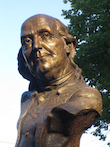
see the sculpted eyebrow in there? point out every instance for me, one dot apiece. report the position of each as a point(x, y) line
point(27, 36)
point(44, 30)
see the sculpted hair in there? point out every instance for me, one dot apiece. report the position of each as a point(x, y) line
point(63, 32)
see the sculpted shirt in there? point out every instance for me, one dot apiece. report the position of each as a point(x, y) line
point(46, 116)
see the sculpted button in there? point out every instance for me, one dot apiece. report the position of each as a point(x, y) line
point(34, 116)
point(27, 133)
point(61, 90)
point(41, 99)
point(34, 94)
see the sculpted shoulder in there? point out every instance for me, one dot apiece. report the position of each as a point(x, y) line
point(25, 96)
point(87, 92)
point(83, 98)
point(89, 97)
point(26, 100)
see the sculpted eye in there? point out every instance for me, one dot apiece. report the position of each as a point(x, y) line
point(27, 41)
point(46, 35)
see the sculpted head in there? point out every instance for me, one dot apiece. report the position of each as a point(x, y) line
point(47, 48)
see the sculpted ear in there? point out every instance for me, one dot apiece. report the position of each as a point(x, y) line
point(70, 49)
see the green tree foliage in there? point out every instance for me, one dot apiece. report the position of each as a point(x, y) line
point(90, 24)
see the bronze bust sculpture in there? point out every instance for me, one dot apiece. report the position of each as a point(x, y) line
point(59, 105)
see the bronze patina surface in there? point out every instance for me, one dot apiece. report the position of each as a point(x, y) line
point(59, 105)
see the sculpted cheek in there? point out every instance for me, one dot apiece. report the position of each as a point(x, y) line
point(26, 52)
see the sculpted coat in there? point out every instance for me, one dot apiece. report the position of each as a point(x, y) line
point(59, 105)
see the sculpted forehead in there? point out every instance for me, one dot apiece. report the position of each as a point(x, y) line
point(37, 22)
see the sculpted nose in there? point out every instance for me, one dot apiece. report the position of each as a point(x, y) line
point(36, 43)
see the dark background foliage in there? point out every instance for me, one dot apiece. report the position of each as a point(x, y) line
point(90, 24)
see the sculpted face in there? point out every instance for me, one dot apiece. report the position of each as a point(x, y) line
point(43, 47)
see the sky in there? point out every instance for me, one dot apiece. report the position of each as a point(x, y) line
point(12, 14)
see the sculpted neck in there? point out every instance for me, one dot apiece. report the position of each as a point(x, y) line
point(59, 81)
point(55, 74)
